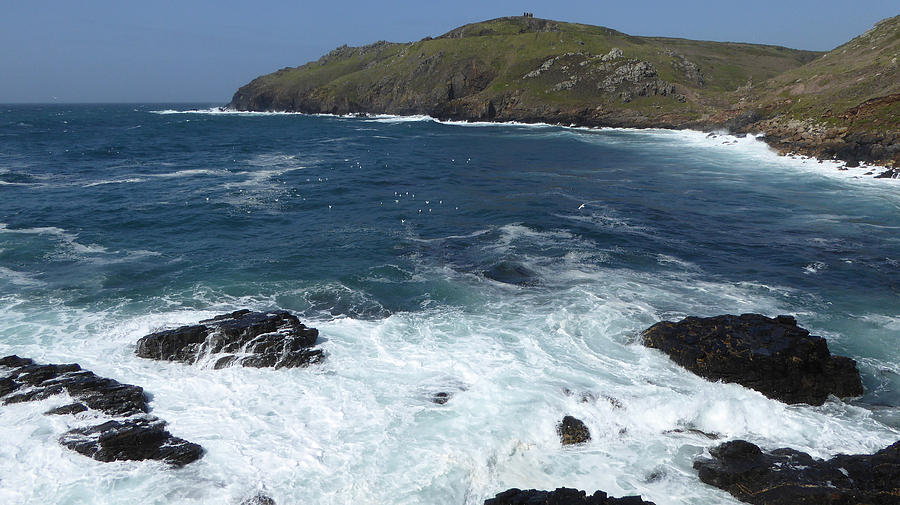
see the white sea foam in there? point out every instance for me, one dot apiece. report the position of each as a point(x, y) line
point(19, 278)
point(64, 236)
point(103, 182)
point(347, 431)
point(746, 145)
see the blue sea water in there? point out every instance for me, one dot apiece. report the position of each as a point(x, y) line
point(119, 220)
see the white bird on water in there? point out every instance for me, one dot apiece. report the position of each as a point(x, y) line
point(580, 206)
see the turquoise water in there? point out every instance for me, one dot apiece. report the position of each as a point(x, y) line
point(118, 220)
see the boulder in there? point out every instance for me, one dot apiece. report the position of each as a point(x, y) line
point(773, 356)
point(255, 339)
point(572, 431)
point(561, 496)
point(790, 477)
point(135, 436)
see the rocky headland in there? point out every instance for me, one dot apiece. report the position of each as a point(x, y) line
point(843, 104)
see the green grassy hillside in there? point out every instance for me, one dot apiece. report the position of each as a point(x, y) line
point(844, 103)
point(517, 66)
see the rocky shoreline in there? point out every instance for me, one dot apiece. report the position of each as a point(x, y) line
point(772, 355)
point(788, 138)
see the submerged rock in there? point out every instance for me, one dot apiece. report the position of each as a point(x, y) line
point(510, 272)
point(441, 397)
point(136, 437)
point(561, 496)
point(131, 439)
point(572, 431)
point(255, 339)
point(773, 356)
point(790, 477)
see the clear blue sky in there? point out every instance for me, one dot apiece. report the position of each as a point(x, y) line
point(202, 51)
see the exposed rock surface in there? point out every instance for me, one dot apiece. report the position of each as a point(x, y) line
point(258, 499)
point(561, 496)
point(790, 477)
point(773, 356)
point(824, 141)
point(135, 436)
point(572, 431)
point(131, 439)
point(255, 339)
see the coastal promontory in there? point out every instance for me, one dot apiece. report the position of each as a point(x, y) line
point(842, 104)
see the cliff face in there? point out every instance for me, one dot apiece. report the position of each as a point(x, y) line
point(528, 69)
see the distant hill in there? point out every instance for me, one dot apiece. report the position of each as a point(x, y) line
point(530, 69)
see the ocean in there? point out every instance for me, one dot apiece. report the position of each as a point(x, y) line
point(120, 220)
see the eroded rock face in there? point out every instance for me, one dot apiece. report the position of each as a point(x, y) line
point(790, 477)
point(135, 435)
point(255, 339)
point(773, 356)
point(561, 496)
point(572, 431)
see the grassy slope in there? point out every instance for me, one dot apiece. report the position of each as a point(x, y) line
point(841, 104)
point(414, 77)
point(860, 70)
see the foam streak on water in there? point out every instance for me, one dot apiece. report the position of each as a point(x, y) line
point(378, 231)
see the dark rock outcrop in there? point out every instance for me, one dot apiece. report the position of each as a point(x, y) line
point(773, 356)
point(258, 499)
point(132, 439)
point(135, 436)
point(572, 431)
point(561, 496)
point(28, 381)
point(441, 397)
point(790, 477)
point(255, 339)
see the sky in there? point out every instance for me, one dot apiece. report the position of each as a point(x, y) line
point(202, 51)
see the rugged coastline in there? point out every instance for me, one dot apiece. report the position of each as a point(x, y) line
point(839, 105)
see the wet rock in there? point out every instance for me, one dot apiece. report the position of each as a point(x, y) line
point(441, 397)
point(694, 431)
point(259, 499)
point(773, 356)
point(572, 431)
point(790, 477)
point(137, 437)
point(72, 408)
point(561, 496)
point(255, 339)
point(132, 439)
point(510, 272)
point(31, 382)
